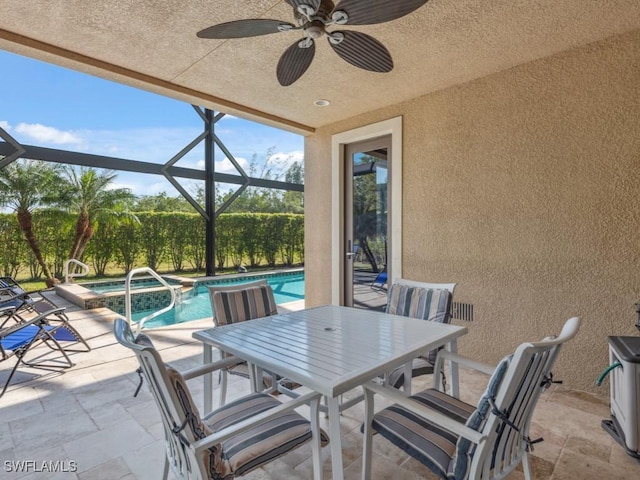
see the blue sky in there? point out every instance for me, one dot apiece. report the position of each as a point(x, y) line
point(46, 105)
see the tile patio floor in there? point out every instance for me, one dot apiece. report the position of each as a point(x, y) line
point(88, 415)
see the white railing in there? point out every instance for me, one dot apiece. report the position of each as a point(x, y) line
point(127, 296)
point(68, 274)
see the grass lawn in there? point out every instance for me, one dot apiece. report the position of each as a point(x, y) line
point(31, 285)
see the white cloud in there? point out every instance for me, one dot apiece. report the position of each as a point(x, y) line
point(47, 135)
point(225, 166)
point(139, 187)
point(282, 161)
point(118, 185)
point(5, 125)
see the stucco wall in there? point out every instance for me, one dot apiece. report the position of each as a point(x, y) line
point(524, 188)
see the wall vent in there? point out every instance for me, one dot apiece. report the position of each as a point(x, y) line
point(462, 311)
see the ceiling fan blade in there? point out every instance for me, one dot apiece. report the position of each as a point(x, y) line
point(363, 51)
point(314, 4)
point(245, 28)
point(376, 11)
point(295, 61)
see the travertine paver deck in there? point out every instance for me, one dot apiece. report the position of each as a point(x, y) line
point(87, 415)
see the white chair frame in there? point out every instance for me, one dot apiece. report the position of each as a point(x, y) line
point(184, 458)
point(513, 449)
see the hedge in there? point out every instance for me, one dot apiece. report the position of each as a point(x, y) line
point(154, 239)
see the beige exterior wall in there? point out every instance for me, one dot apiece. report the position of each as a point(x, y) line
point(524, 188)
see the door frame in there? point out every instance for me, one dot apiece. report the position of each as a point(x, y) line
point(391, 127)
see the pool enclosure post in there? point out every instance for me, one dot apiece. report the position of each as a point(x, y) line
point(210, 194)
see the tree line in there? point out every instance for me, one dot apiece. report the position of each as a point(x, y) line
point(62, 212)
point(154, 239)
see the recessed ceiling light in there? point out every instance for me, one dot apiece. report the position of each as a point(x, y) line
point(322, 103)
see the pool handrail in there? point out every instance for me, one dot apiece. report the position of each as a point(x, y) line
point(127, 296)
point(68, 275)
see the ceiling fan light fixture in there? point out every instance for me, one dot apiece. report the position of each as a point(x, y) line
point(306, 10)
point(336, 38)
point(339, 17)
point(305, 43)
point(322, 103)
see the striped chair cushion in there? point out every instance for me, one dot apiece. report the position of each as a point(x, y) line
point(426, 442)
point(232, 306)
point(251, 449)
point(443, 452)
point(417, 302)
point(419, 366)
point(461, 462)
point(239, 305)
point(263, 443)
point(195, 428)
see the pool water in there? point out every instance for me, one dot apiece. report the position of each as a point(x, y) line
point(196, 304)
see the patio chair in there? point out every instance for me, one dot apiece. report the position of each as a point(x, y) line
point(428, 301)
point(12, 294)
point(458, 441)
point(18, 338)
point(238, 303)
point(230, 441)
point(36, 303)
point(380, 281)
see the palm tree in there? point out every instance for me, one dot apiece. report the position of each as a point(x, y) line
point(89, 195)
point(25, 185)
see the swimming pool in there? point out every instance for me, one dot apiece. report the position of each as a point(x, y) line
point(287, 287)
point(118, 285)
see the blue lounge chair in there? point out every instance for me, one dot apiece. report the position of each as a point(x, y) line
point(18, 338)
point(381, 280)
point(27, 304)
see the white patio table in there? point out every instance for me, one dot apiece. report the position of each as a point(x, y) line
point(330, 349)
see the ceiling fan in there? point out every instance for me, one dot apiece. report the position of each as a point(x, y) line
point(313, 17)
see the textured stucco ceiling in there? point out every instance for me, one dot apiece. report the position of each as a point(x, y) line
point(152, 44)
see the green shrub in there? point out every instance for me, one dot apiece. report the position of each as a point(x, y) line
point(177, 238)
point(103, 246)
point(156, 239)
point(128, 244)
point(54, 230)
point(154, 232)
point(13, 255)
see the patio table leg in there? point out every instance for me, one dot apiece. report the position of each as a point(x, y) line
point(455, 379)
point(255, 377)
point(207, 358)
point(406, 387)
point(333, 404)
